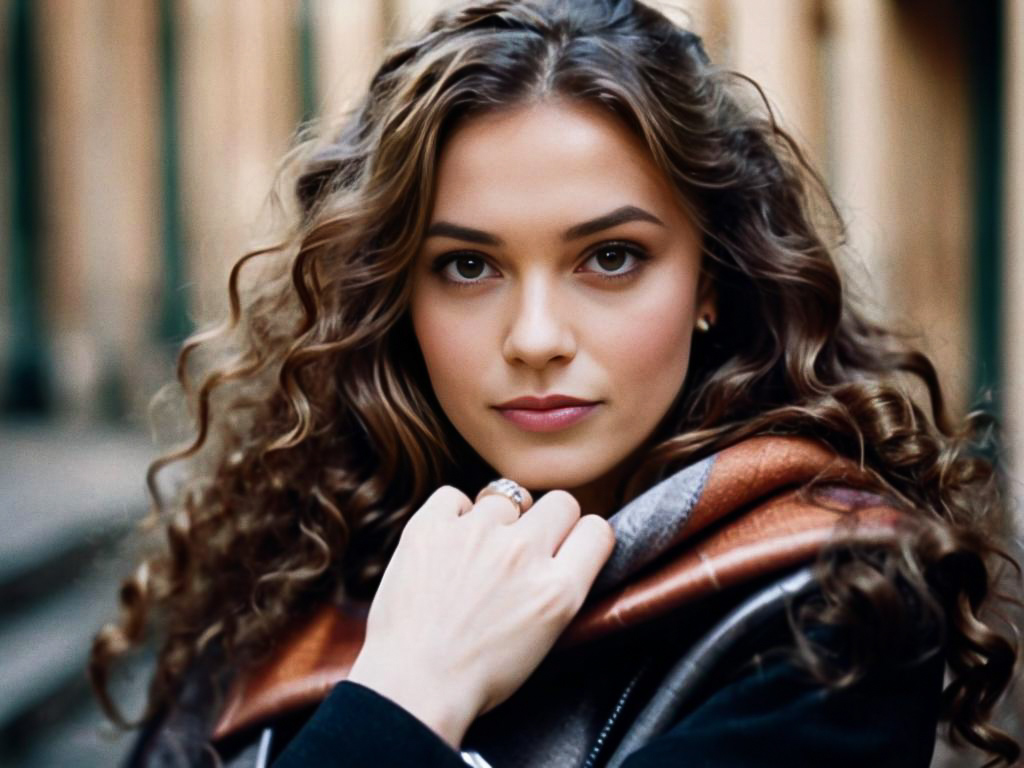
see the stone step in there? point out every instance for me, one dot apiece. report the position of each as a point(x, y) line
point(65, 491)
point(68, 499)
point(45, 645)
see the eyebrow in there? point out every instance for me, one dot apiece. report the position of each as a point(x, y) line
point(619, 216)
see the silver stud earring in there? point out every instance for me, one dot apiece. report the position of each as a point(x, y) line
point(703, 325)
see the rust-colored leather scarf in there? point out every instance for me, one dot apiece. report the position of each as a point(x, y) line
point(723, 521)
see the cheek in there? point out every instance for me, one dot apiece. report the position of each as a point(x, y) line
point(452, 349)
point(649, 348)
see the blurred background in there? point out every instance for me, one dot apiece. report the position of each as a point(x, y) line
point(138, 143)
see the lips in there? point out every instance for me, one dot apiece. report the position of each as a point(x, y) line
point(547, 419)
point(548, 402)
point(546, 414)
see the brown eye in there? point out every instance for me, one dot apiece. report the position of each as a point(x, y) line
point(617, 260)
point(611, 259)
point(464, 269)
point(469, 267)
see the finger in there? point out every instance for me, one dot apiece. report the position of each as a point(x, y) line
point(496, 508)
point(525, 504)
point(446, 503)
point(550, 520)
point(586, 549)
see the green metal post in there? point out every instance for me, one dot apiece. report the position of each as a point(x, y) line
point(307, 62)
point(27, 389)
point(173, 323)
point(985, 55)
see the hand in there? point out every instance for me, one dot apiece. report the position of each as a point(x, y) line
point(473, 599)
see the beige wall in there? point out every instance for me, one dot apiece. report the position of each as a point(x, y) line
point(925, 186)
point(99, 99)
point(878, 100)
point(239, 95)
point(409, 15)
point(348, 40)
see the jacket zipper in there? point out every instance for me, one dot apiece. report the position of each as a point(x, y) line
point(602, 738)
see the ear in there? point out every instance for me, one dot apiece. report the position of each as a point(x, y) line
point(707, 297)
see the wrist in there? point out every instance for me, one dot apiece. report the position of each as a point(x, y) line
point(441, 706)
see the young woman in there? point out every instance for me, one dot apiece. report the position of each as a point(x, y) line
point(554, 244)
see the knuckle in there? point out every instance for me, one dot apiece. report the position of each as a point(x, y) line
point(451, 494)
point(411, 527)
point(557, 599)
point(599, 529)
point(565, 500)
point(446, 496)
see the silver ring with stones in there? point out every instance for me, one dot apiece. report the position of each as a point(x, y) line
point(510, 489)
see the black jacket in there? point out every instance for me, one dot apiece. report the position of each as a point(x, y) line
point(733, 697)
point(771, 716)
point(708, 681)
point(749, 705)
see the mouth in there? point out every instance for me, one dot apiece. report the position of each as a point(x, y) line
point(548, 419)
point(546, 402)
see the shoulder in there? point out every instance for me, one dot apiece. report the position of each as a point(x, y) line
point(774, 715)
point(748, 699)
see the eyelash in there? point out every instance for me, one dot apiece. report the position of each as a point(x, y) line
point(631, 249)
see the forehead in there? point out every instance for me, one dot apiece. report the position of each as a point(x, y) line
point(551, 158)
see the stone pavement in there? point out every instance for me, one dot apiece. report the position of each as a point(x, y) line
point(68, 499)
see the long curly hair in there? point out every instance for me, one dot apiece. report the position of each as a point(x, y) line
point(317, 435)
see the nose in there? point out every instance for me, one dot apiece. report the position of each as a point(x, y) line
point(538, 332)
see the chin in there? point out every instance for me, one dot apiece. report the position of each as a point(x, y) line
point(551, 475)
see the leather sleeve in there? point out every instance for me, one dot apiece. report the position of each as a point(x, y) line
point(355, 726)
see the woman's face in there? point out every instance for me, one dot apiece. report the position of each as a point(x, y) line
point(558, 260)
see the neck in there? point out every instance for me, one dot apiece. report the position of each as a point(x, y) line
point(596, 497)
point(600, 496)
